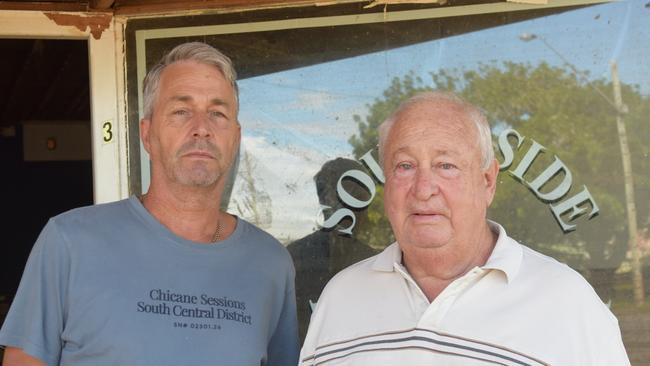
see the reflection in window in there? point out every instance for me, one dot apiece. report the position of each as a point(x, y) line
point(310, 107)
point(549, 89)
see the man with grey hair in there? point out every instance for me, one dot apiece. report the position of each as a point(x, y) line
point(454, 289)
point(166, 278)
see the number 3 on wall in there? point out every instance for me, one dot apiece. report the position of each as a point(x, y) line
point(107, 129)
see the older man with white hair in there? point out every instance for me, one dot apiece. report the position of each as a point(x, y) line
point(454, 289)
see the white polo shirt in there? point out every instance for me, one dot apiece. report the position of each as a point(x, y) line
point(520, 308)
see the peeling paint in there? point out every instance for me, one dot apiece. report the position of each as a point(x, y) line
point(96, 23)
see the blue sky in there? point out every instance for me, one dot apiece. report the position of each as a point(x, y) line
point(293, 121)
point(588, 38)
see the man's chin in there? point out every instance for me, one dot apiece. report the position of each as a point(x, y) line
point(198, 179)
point(429, 237)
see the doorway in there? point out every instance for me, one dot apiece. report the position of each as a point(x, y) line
point(45, 144)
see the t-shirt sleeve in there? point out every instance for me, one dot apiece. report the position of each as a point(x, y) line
point(283, 347)
point(36, 318)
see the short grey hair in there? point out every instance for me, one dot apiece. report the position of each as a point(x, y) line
point(191, 51)
point(473, 113)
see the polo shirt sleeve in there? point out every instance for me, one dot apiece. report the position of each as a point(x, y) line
point(314, 330)
point(604, 342)
point(36, 318)
point(283, 346)
point(308, 348)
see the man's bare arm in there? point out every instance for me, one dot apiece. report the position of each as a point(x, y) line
point(16, 357)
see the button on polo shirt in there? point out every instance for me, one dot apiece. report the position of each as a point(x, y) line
point(520, 308)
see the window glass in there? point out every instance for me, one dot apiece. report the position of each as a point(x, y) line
point(567, 94)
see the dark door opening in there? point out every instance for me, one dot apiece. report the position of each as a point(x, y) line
point(45, 149)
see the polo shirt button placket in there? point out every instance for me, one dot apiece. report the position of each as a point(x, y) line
point(435, 314)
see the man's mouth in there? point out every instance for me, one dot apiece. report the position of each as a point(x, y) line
point(199, 154)
point(426, 216)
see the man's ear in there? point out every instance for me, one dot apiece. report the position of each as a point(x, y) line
point(490, 177)
point(145, 126)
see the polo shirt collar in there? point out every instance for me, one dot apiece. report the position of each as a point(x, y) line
point(385, 260)
point(506, 255)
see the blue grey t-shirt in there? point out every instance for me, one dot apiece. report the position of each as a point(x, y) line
point(109, 285)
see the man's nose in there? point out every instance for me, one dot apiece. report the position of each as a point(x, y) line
point(201, 125)
point(426, 184)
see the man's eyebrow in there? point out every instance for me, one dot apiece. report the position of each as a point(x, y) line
point(188, 98)
point(406, 149)
point(181, 98)
point(219, 101)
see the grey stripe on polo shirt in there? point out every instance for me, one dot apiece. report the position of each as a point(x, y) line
point(426, 340)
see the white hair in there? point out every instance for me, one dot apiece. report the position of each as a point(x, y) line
point(473, 113)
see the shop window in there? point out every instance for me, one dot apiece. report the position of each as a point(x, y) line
point(314, 88)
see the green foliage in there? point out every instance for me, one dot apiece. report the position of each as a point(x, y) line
point(398, 91)
point(376, 230)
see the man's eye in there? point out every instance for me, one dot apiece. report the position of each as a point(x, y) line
point(216, 114)
point(404, 166)
point(447, 166)
point(180, 112)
